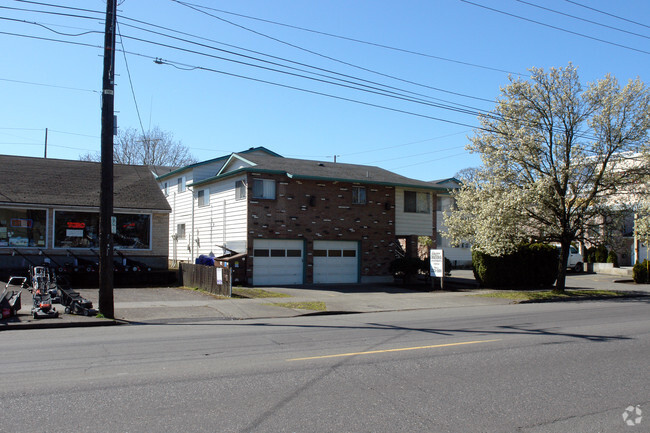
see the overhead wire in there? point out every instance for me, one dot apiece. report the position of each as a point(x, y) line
point(375, 44)
point(176, 64)
point(583, 19)
point(323, 55)
point(128, 73)
point(607, 13)
point(555, 27)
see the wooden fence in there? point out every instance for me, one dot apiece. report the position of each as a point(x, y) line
point(214, 279)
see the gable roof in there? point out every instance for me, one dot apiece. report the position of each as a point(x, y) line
point(60, 182)
point(213, 160)
point(449, 183)
point(317, 170)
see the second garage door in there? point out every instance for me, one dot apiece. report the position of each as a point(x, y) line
point(336, 262)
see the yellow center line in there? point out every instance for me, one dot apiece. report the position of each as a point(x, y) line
point(371, 352)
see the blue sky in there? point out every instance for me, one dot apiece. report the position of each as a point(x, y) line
point(459, 55)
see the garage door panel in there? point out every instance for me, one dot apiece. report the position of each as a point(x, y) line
point(336, 262)
point(277, 262)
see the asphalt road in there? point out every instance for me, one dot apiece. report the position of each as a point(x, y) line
point(569, 367)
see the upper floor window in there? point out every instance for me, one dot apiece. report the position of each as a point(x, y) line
point(165, 188)
point(417, 202)
point(264, 188)
point(181, 184)
point(203, 196)
point(358, 195)
point(240, 190)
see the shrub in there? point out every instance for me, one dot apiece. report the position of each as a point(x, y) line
point(601, 254)
point(640, 272)
point(531, 265)
point(408, 267)
point(612, 257)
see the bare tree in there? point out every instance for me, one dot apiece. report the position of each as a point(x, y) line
point(154, 148)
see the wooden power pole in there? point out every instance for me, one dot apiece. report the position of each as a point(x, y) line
point(106, 303)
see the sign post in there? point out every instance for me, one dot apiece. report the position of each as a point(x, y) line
point(437, 266)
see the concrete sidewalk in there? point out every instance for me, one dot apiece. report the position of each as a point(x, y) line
point(174, 305)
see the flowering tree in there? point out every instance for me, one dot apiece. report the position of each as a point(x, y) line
point(553, 154)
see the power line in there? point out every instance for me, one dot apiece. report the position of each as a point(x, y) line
point(48, 85)
point(322, 55)
point(555, 27)
point(357, 40)
point(583, 19)
point(297, 63)
point(608, 14)
point(128, 72)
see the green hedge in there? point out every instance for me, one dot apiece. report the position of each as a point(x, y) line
point(640, 272)
point(533, 265)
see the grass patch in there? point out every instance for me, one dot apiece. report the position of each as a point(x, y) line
point(315, 305)
point(548, 295)
point(241, 292)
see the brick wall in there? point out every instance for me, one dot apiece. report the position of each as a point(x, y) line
point(323, 210)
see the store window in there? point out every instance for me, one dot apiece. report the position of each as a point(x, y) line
point(23, 228)
point(81, 230)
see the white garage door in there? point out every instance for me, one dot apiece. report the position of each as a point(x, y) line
point(277, 262)
point(336, 262)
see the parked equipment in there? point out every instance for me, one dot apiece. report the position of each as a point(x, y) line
point(44, 292)
point(10, 300)
point(83, 264)
point(74, 303)
point(130, 264)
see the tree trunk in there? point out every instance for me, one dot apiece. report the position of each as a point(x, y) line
point(560, 284)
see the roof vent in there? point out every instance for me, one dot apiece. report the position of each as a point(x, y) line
point(320, 164)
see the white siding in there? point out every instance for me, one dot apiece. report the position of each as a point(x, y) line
point(412, 223)
point(222, 222)
point(181, 204)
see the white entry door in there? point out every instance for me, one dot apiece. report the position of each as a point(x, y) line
point(336, 262)
point(277, 262)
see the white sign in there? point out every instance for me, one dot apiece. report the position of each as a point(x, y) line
point(74, 233)
point(113, 224)
point(436, 263)
point(219, 276)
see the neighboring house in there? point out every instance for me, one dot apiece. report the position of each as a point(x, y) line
point(298, 221)
point(459, 255)
point(50, 207)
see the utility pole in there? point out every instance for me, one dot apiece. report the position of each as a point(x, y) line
point(45, 156)
point(106, 304)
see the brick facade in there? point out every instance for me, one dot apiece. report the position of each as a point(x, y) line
point(323, 210)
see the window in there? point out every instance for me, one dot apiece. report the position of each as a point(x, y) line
point(417, 202)
point(181, 184)
point(264, 188)
point(180, 231)
point(240, 190)
point(358, 195)
point(204, 197)
point(81, 230)
point(165, 188)
point(22, 228)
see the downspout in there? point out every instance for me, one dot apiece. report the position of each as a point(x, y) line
point(175, 234)
point(224, 228)
point(192, 235)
